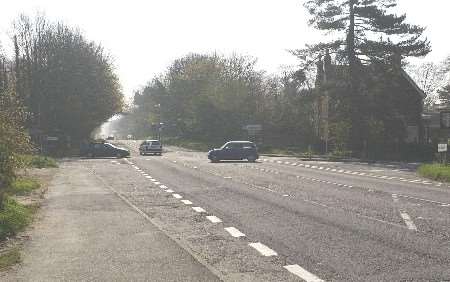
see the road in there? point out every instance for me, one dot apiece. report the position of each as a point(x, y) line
point(315, 220)
point(280, 219)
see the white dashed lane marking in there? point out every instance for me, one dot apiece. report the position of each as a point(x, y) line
point(177, 196)
point(198, 209)
point(214, 219)
point(163, 186)
point(234, 232)
point(169, 191)
point(302, 273)
point(186, 202)
point(408, 221)
point(263, 249)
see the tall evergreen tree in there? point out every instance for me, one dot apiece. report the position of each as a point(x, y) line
point(366, 31)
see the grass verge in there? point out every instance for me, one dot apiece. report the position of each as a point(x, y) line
point(437, 172)
point(9, 258)
point(38, 161)
point(23, 186)
point(14, 217)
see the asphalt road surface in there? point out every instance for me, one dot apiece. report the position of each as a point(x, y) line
point(283, 219)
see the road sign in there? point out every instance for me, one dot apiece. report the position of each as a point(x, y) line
point(442, 147)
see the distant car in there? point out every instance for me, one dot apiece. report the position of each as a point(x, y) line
point(103, 149)
point(110, 138)
point(234, 150)
point(150, 147)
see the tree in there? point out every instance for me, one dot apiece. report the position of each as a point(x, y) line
point(430, 77)
point(14, 139)
point(67, 83)
point(367, 31)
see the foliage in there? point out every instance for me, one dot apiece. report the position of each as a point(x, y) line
point(38, 161)
point(23, 186)
point(9, 258)
point(364, 32)
point(430, 77)
point(14, 139)
point(437, 172)
point(13, 218)
point(66, 82)
point(209, 98)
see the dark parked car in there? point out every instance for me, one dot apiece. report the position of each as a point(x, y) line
point(234, 150)
point(103, 149)
point(150, 147)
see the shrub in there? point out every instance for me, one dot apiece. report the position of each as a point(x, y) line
point(435, 171)
point(13, 218)
point(39, 161)
point(23, 186)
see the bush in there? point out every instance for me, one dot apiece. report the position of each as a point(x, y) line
point(437, 172)
point(23, 186)
point(13, 218)
point(38, 161)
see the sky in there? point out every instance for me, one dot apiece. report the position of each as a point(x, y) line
point(145, 36)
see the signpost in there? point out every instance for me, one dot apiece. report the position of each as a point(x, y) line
point(442, 149)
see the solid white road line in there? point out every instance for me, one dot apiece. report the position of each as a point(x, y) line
point(214, 219)
point(177, 196)
point(186, 202)
point(302, 273)
point(263, 249)
point(198, 209)
point(234, 232)
point(408, 221)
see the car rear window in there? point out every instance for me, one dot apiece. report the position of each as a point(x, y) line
point(156, 143)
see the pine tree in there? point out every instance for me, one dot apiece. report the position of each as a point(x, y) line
point(366, 31)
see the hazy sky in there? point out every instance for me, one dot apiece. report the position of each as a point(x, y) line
point(145, 36)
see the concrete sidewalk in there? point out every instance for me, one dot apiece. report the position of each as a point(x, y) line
point(84, 232)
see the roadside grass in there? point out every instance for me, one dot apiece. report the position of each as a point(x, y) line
point(14, 217)
point(38, 161)
point(437, 172)
point(9, 258)
point(23, 186)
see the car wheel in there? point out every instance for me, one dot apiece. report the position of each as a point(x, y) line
point(251, 159)
point(215, 159)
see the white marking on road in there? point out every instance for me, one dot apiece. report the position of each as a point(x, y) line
point(333, 170)
point(287, 163)
point(321, 167)
point(177, 196)
point(395, 198)
point(213, 219)
point(302, 273)
point(408, 221)
point(314, 166)
point(263, 249)
point(294, 164)
point(169, 191)
point(341, 171)
point(186, 202)
point(194, 167)
point(157, 183)
point(148, 176)
point(163, 186)
point(307, 165)
point(228, 177)
point(234, 232)
point(198, 209)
